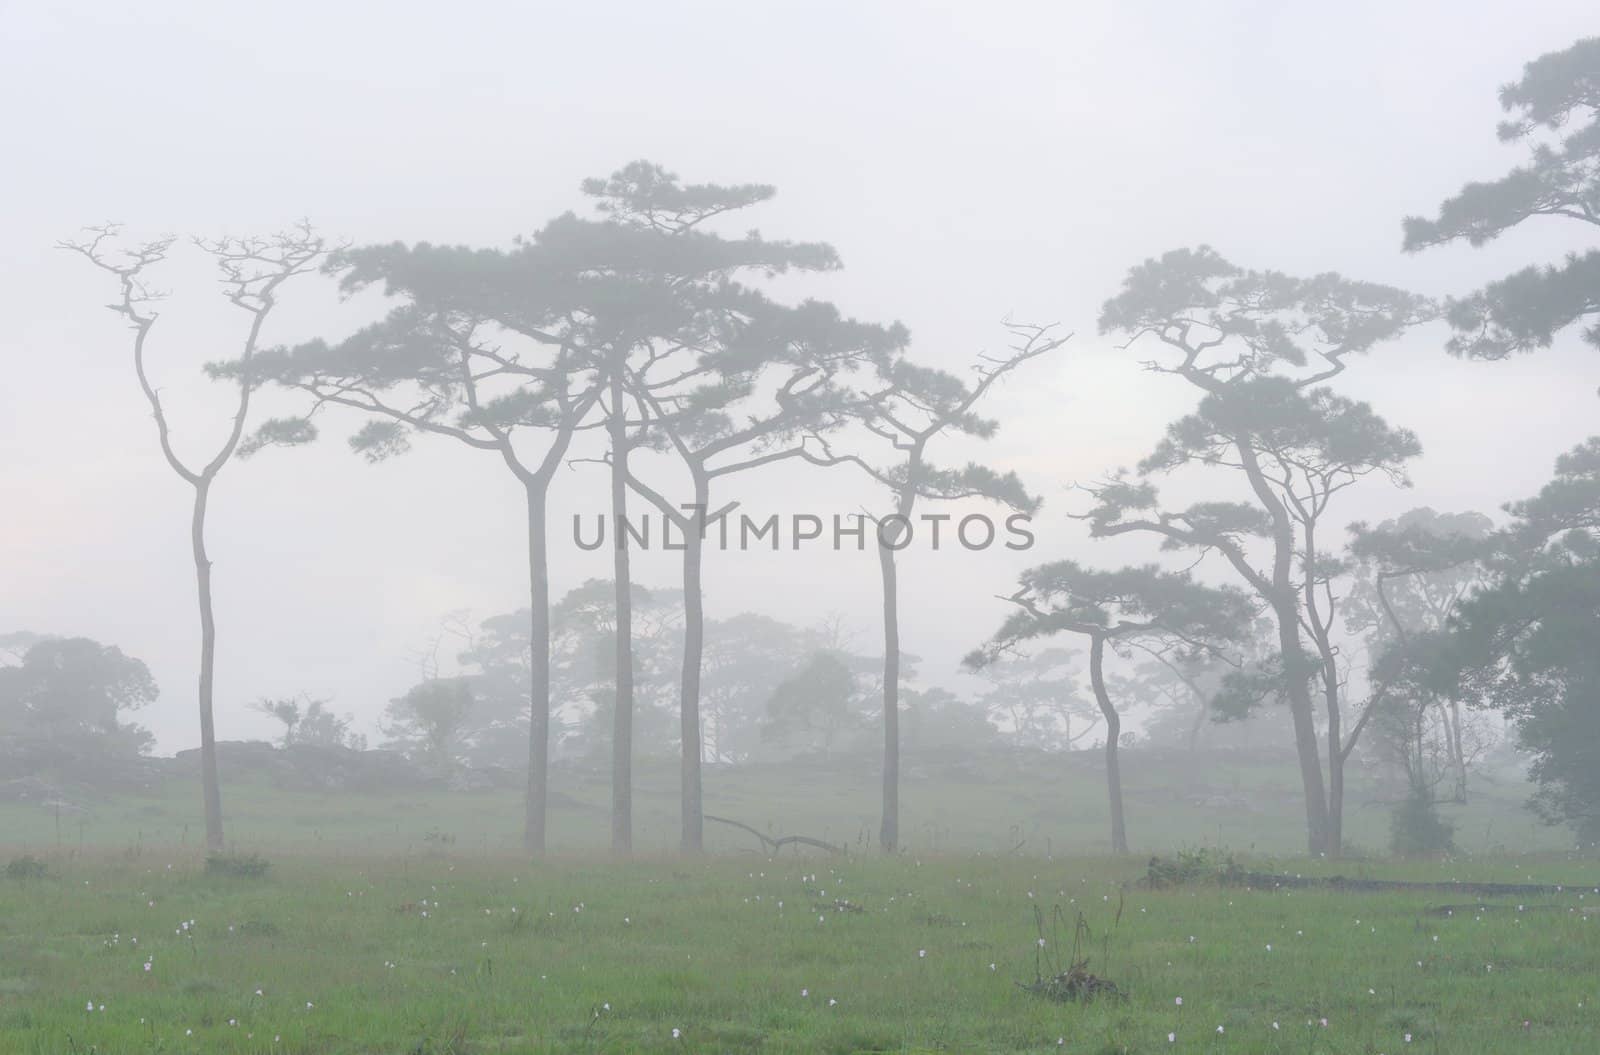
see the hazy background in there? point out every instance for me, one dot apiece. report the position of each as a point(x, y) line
point(968, 161)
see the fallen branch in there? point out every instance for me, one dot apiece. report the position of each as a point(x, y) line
point(772, 845)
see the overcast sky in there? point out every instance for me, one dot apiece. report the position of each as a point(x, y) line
point(969, 162)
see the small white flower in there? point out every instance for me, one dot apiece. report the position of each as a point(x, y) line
point(1179, 1001)
point(1172, 1038)
point(675, 1033)
point(1219, 1029)
point(922, 954)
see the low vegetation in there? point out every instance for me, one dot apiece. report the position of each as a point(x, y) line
point(467, 954)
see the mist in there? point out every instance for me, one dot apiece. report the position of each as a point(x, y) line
point(813, 436)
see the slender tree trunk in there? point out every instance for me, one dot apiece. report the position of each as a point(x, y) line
point(210, 787)
point(533, 832)
point(1305, 731)
point(1334, 842)
point(1119, 830)
point(1199, 723)
point(693, 646)
point(1458, 752)
point(889, 832)
point(622, 714)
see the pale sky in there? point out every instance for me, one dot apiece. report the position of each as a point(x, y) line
point(969, 162)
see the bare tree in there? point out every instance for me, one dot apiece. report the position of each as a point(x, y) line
point(251, 272)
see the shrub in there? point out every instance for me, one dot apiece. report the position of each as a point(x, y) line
point(1417, 830)
point(237, 866)
point(1200, 865)
point(26, 867)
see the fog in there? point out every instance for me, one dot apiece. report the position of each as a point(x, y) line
point(969, 165)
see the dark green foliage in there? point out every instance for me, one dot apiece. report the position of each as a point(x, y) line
point(1555, 113)
point(1191, 866)
point(1417, 830)
point(62, 706)
point(237, 865)
point(1525, 645)
point(26, 867)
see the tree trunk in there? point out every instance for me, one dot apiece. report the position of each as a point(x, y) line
point(1119, 831)
point(622, 714)
point(689, 698)
point(1333, 844)
point(1199, 724)
point(1282, 595)
point(1305, 731)
point(533, 832)
point(1458, 751)
point(889, 832)
point(210, 787)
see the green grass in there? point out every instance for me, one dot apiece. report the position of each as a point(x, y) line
point(424, 953)
point(392, 917)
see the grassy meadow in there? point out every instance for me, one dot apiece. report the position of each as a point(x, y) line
point(411, 925)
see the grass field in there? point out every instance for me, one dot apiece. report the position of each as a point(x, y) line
point(433, 954)
point(410, 925)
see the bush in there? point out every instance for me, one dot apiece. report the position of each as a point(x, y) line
point(26, 867)
point(1201, 865)
point(1417, 830)
point(237, 866)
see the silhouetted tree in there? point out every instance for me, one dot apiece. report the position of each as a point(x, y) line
point(1411, 574)
point(914, 405)
point(817, 700)
point(63, 703)
point(1134, 604)
point(1554, 112)
point(461, 362)
point(1258, 346)
point(1033, 699)
point(252, 270)
point(737, 383)
point(309, 721)
point(1525, 645)
point(428, 720)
